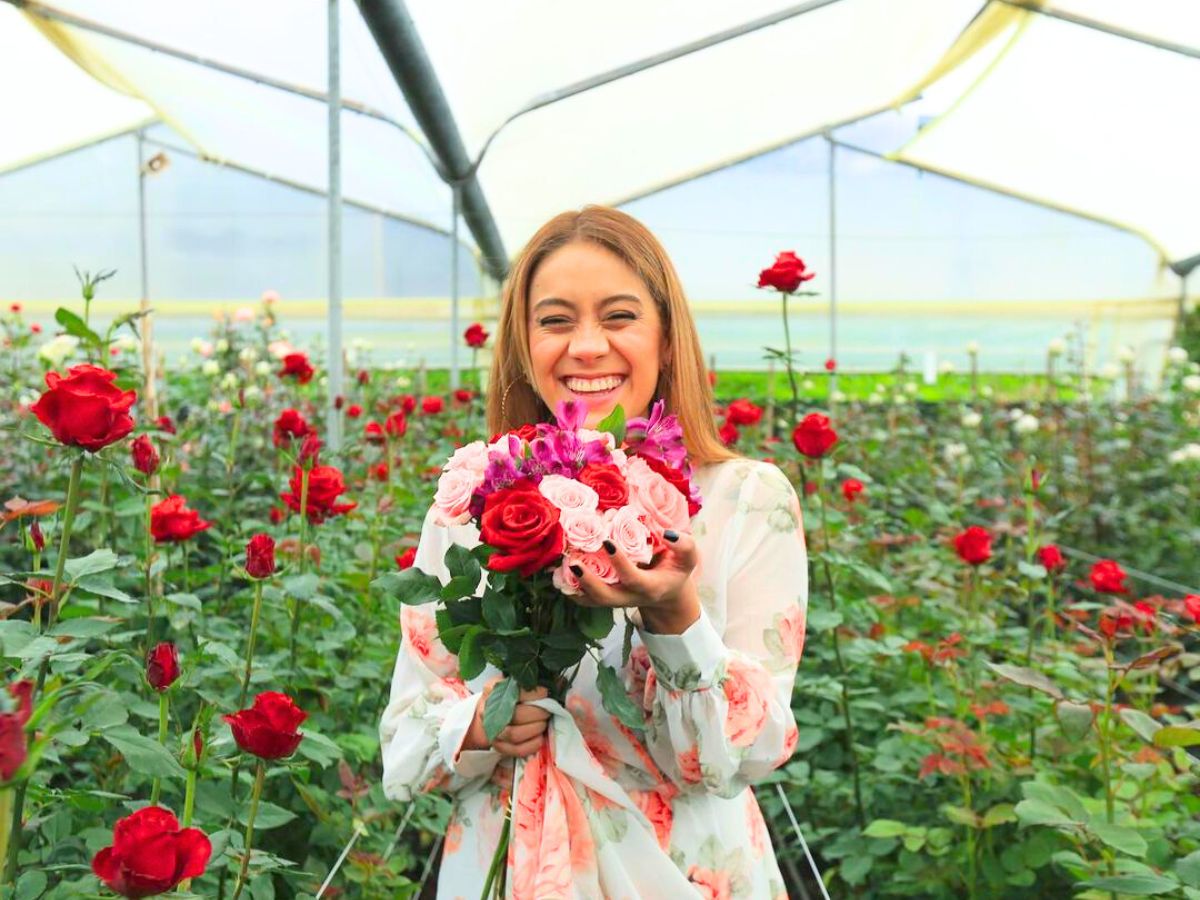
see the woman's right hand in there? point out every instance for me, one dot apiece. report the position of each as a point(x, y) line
point(522, 736)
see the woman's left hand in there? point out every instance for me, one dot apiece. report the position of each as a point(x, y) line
point(665, 592)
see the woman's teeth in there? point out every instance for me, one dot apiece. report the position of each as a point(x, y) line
point(593, 385)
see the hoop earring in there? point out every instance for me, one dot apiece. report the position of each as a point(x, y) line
point(504, 401)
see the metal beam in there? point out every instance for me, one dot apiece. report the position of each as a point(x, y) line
point(398, 41)
point(333, 314)
point(1095, 24)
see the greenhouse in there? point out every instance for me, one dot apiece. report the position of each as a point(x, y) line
point(907, 285)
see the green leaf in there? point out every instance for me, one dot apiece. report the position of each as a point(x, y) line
point(1120, 837)
point(268, 816)
point(1056, 795)
point(1037, 812)
point(83, 627)
point(144, 756)
point(960, 815)
point(97, 561)
point(319, 748)
point(885, 828)
point(614, 424)
point(462, 564)
point(470, 653)
point(1132, 884)
point(616, 701)
point(1031, 570)
point(1188, 869)
point(30, 885)
point(1177, 736)
point(498, 611)
point(1145, 726)
point(412, 586)
point(627, 642)
point(74, 325)
point(102, 586)
point(1027, 678)
point(596, 621)
point(302, 587)
point(999, 814)
point(1075, 718)
point(498, 710)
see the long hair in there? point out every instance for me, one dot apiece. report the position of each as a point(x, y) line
point(683, 384)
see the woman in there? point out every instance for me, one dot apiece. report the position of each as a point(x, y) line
point(593, 311)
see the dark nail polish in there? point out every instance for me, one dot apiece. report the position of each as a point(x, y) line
point(671, 536)
point(610, 548)
point(577, 571)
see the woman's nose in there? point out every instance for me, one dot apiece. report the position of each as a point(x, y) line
point(588, 342)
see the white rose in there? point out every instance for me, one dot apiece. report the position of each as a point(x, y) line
point(946, 367)
point(1192, 383)
point(1177, 355)
point(971, 419)
point(251, 393)
point(55, 350)
point(1027, 424)
point(912, 388)
point(221, 346)
point(1056, 347)
point(838, 397)
point(248, 355)
point(1015, 414)
point(1125, 354)
point(973, 347)
point(229, 381)
point(807, 384)
point(1110, 371)
point(986, 391)
point(211, 367)
point(953, 452)
point(262, 368)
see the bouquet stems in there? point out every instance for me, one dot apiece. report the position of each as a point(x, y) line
point(493, 886)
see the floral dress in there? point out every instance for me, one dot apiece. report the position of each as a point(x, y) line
point(603, 811)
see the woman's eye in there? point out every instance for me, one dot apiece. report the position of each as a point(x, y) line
point(551, 321)
point(623, 316)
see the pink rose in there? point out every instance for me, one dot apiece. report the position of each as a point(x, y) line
point(452, 502)
point(419, 629)
point(664, 506)
point(599, 564)
point(657, 809)
point(585, 530)
point(791, 632)
point(710, 884)
point(567, 493)
point(747, 690)
point(472, 458)
point(756, 827)
point(689, 766)
point(629, 533)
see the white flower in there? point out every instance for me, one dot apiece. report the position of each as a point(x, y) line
point(251, 393)
point(1125, 354)
point(986, 391)
point(807, 384)
point(971, 419)
point(1192, 383)
point(874, 400)
point(899, 399)
point(229, 381)
point(953, 452)
point(1110, 371)
point(1014, 414)
point(126, 342)
point(55, 350)
point(838, 397)
point(1177, 355)
point(1186, 453)
point(27, 400)
point(1027, 424)
point(973, 347)
point(280, 349)
point(213, 405)
point(211, 367)
point(1056, 347)
point(362, 344)
point(262, 368)
point(201, 346)
point(248, 355)
point(270, 297)
point(403, 381)
point(912, 388)
point(947, 367)
point(222, 346)
point(244, 314)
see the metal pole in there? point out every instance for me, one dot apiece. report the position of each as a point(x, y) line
point(149, 392)
point(455, 190)
point(333, 428)
point(832, 261)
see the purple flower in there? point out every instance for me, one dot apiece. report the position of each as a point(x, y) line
point(571, 415)
point(660, 437)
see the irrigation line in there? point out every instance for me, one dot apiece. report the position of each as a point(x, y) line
point(358, 832)
point(803, 843)
point(387, 854)
point(437, 845)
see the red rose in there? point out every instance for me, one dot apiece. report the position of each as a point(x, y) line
point(787, 274)
point(84, 408)
point(276, 515)
point(851, 488)
point(974, 546)
point(830, 364)
point(380, 471)
point(162, 666)
point(1191, 607)
point(1146, 614)
point(743, 412)
point(475, 336)
point(260, 556)
point(268, 728)
point(712, 378)
point(405, 560)
point(290, 424)
point(1115, 621)
point(462, 395)
point(675, 478)
point(608, 482)
point(35, 328)
point(1108, 577)
point(150, 854)
point(373, 432)
point(324, 485)
point(297, 366)
point(526, 433)
point(523, 526)
point(363, 376)
point(1051, 558)
point(814, 436)
point(728, 433)
point(145, 457)
point(13, 746)
point(309, 450)
point(165, 423)
point(171, 521)
point(431, 405)
point(353, 411)
point(810, 488)
point(15, 307)
point(406, 402)
point(396, 425)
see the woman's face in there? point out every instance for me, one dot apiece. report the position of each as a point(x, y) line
point(595, 334)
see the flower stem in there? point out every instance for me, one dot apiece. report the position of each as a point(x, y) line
point(258, 592)
point(303, 557)
point(787, 344)
point(500, 857)
point(189, 796)
point(6, 802)
point(163, 716)
point(149, 578)
point(259, 774)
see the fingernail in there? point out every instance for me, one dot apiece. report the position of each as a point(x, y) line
point(577, 571)
point(610, 548)
point(670, 535)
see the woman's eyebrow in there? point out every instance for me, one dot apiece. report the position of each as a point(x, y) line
point(559, 301)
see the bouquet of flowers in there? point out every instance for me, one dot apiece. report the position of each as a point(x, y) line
point(546, 498)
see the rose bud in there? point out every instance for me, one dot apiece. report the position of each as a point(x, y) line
point(260, 556)
point(35, 535)
point(310, 449)
point(162, 666)
point(475, 336)
point(13, 746)
point(396, 425)
point(786, 275)
point(145, 456)
point(151, 854)
point(268, 728)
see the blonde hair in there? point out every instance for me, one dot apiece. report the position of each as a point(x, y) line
point(683, 382)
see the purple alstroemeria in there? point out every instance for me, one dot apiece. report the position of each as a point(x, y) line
point(658, 436)
point(571, 415)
